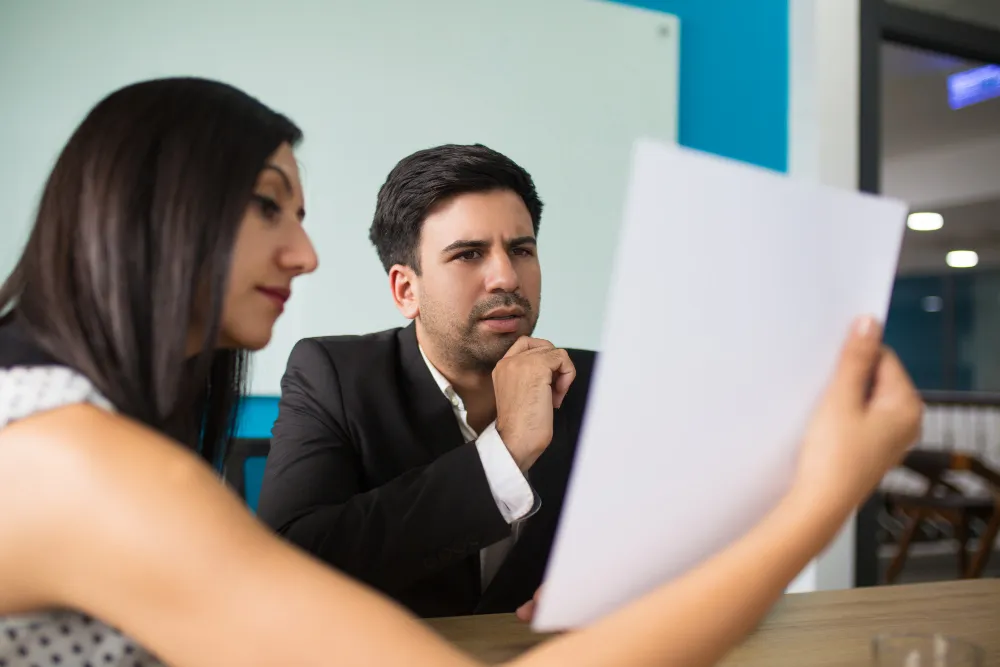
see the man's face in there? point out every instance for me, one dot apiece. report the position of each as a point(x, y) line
point(480, 283)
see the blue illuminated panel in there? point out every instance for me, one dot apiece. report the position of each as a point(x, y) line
point(973, 86)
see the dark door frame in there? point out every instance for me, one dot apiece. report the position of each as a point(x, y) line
point(883, 21)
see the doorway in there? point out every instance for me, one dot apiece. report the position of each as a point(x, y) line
point(930, 134)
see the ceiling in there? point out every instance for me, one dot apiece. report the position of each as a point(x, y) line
point(982, 12)
point(974, 226)
point(917, 122)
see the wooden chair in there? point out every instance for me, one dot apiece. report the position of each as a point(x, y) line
point(945, 501)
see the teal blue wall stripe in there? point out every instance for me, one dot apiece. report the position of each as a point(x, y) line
point(256, 416)
point(253, 479)
point(733, 102)
point(734, 77)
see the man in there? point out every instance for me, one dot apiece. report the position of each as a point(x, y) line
point(431, 461)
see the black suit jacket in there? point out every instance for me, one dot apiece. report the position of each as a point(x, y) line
point(369, 471)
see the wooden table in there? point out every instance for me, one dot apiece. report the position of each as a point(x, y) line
point(825, 629)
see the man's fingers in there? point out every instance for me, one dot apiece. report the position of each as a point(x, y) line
point(858, 360)
point(526, 343)
point(563, 374)
point(557, 361)
point(519, 346)
point(526, 611)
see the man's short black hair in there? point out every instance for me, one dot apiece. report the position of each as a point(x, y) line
point(421, 181)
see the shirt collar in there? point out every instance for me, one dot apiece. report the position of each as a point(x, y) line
point(441, 380)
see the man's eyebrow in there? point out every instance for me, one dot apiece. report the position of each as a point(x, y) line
point(472, 244)
point(522, 240)
point(466, 244)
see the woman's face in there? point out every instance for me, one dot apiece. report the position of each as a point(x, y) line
point(271, 250)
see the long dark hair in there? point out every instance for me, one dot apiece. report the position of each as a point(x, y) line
point(132, 242)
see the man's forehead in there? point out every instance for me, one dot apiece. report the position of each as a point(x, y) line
point(444, 232)
point(502, 238)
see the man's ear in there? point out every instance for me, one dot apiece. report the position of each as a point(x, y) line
point(405, 290)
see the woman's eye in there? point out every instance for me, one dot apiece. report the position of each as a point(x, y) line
point(267, 206)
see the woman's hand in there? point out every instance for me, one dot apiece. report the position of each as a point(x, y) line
point(868, 418)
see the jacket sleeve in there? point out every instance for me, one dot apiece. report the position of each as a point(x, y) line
point(390, 537)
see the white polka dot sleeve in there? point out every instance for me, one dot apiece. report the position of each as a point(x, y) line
point(32, 389)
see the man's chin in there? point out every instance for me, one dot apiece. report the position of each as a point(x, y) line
point(493, 347)
point(487, 346)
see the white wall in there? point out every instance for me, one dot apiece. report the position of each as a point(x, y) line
point(563, 87)
point(823, 146)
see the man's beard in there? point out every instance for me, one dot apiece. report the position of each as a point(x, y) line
point(472, 348)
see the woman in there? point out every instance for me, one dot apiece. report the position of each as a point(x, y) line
point(166, 242)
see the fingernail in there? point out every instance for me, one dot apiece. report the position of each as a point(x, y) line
point(865, 327)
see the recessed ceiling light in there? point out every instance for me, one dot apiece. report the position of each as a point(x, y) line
point(925, 221)
point(962, 259)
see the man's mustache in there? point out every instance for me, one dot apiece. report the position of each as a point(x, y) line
point(506, 300)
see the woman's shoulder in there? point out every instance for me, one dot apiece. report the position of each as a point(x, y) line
point(77, 479)
point(86, 492)
point(56, 420)
point(32, 381)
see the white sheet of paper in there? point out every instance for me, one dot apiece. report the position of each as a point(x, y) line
point(733, 291)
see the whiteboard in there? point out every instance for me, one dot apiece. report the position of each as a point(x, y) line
point(563, 87)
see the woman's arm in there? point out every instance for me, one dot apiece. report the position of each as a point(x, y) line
point(114, 520)
point(127, 526)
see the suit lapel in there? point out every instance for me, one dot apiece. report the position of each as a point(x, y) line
point(433, 418)
point(431, 412)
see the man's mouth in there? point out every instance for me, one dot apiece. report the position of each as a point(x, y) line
point(503, 320)
point(504, 314)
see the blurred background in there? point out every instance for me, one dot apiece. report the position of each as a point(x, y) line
point(931, 136)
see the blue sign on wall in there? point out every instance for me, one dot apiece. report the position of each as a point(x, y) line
point(973, 86)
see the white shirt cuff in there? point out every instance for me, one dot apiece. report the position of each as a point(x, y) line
point(513, 495)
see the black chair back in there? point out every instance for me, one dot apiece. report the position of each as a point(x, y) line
point(243, 467)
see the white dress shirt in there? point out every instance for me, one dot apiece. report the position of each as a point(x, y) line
point(513, 495)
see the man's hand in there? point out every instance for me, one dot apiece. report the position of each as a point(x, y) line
point(526, 611)
point(531, 379)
